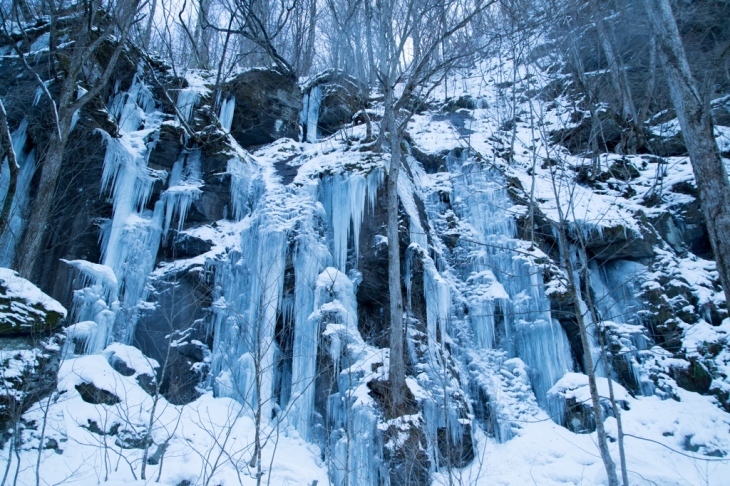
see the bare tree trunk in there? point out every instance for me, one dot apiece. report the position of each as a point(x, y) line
point(202, 34)
point(68, 105)
point(150, 22)
point(369, 39)
point(574, 289)
point(604, 356)
point(42, 205)
point(309, 48)
point(397, 372)
point(616, 68)
point(697, 131)
point(6, 143)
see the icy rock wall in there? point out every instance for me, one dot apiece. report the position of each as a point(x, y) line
point(107, 302)
point(503, 280)
point(615, 285)
point(302, 230)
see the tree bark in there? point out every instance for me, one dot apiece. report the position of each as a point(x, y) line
point(397, 372)
point(697, 130)
point(6, 142)
point(68, 104)
point(574, 289)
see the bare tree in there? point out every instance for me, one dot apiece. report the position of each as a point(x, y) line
point(398, 67)
point(6, 146)
point(695, 120)
point(75, 61)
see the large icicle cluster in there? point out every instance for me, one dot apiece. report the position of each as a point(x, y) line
point(106, 305)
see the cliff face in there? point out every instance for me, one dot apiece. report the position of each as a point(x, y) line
point(233, 279)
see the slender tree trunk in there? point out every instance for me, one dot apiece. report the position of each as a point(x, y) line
point(202, 35)
point(616, 68)
point(369, 39)
point(697, 131)
point(148, 435)
point(27, 259)
point(150, 22)
point(604, 356)
point(397, 364)
point(311, 39)
point(574, 289)
point(6, 143)
point(41, 440)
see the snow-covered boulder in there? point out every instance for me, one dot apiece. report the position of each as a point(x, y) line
point(572, 394)
point(24, 308)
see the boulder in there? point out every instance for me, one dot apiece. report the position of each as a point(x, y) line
point(24, 309)
point(267, 107)
point(341, 98)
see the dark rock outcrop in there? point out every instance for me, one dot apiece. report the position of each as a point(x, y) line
point(91, 394)
point(342, 98)
point(267, 107)
point(172, 332)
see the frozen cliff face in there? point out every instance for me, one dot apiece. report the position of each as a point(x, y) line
point(239, 281)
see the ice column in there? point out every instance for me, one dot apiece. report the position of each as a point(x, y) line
point(344, 197)
point(309, 116)
point(251, 284)
point(130, 240)
point(183, 188)
point(614, 284)
point(186, 100)
point(226, 115)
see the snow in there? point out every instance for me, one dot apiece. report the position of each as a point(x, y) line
point(16, 287)
point(575, 385)
point(194, 434)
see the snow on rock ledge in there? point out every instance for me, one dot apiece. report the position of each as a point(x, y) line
point(571, 394)
point(24, 308)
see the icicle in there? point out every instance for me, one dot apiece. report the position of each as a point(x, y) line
point(344, 197)
point(130, 240)
point(309, 257)
point(614, 286)
point(226, 114)
point(246, 186)
point(501, 276)
point(335, 307)
point(186, 100)
point(438, 303)
point(183, 189)
point(356, 451)
point(310, 113)
point(246, 315)
point(95, 304)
